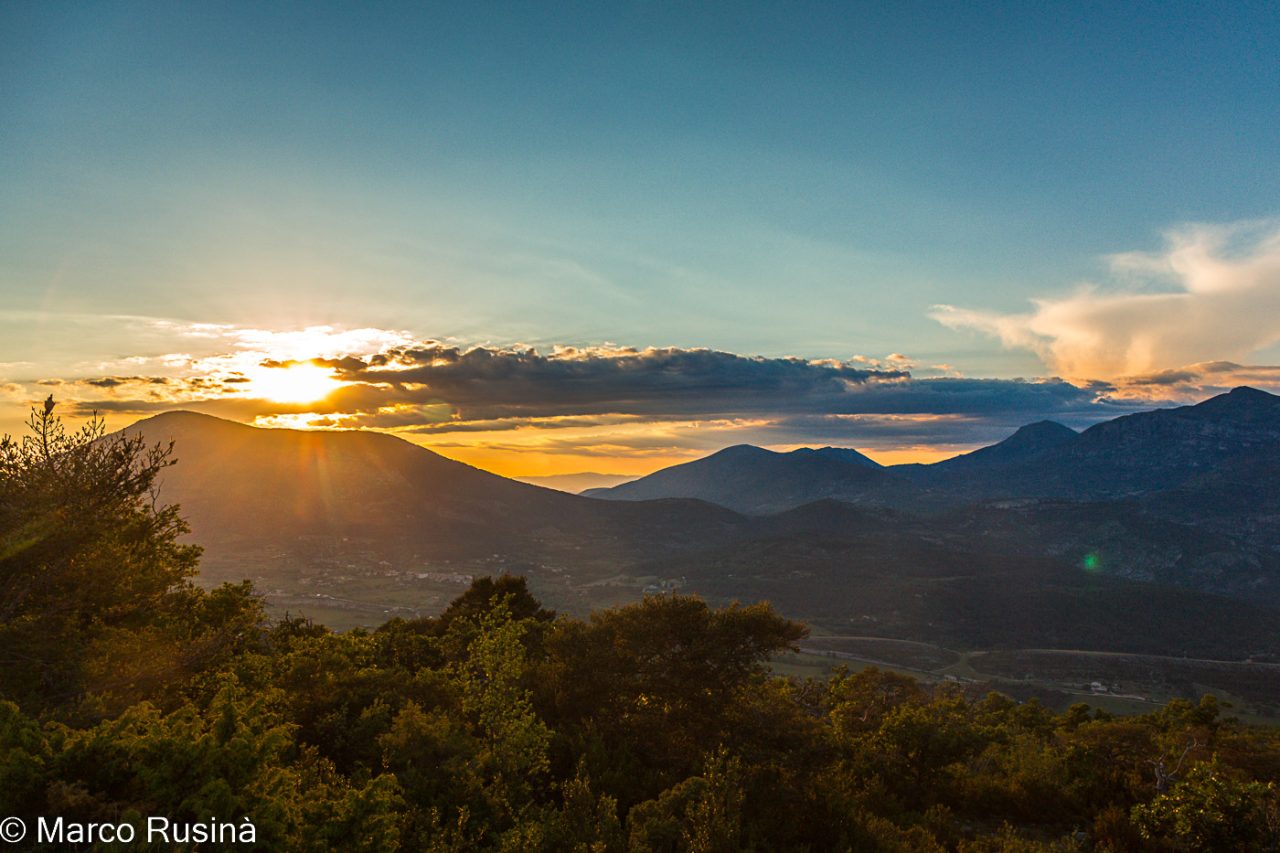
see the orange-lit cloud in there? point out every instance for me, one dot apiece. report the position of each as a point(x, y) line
point(1213, 294)
point(1194, 382)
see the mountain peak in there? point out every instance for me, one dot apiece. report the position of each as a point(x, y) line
point(184, 420)
point(846, 455)
point(1242, 403)
point(1245, 395)
point(741, 451)
point(1040, 434)
point(183, 414)
point(751, 479)
point(1027, 442)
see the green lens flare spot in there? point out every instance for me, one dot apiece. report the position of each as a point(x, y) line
point(1091, 561)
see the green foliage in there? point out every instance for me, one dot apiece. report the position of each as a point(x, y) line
point(1210, 809)
point(233, 760)
point(501, 732)
point(512, 740)
point(24, 761)
point(586, 822)
point(647, 690)
point(92, 574)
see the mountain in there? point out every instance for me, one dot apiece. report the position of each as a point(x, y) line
point(1183, 496)
point(1125, 539)
point(1140, 453)
point(268, 498)
point(751, 479)
point(264, 484)
point(1129, 456)
point(1027, 443)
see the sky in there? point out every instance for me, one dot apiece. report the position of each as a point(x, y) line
point(550, 238)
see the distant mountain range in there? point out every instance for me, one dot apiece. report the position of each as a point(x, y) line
point(1188, 496)
point(1135, 455)
point(1155, 532)
point(579, 482)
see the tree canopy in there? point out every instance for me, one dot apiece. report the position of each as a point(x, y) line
point(96, 596)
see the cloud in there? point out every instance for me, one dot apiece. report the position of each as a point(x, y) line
point(485, 383)
point(633, 402)
point(433, 382)
point(297, 344)
point(118, 381)
point(1196, 381)
point(521, 399)
point(1212, 294)
point(653, 400)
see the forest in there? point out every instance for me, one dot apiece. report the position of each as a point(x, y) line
point(128, 691)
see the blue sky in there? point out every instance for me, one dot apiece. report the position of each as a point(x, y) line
point(763, 179)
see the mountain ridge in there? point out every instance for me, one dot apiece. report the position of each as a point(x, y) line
point(250, 487)
point(1132, 454)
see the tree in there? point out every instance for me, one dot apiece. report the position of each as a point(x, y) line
point(87, 556)
point(656, 685)
point(1212, 810)
point(514, 741)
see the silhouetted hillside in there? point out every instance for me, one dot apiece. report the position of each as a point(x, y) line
point(754, 480)
point(244, 487)
point(1027, 443)
point(578, 483)
point(1137, 454)
point(1128, 456)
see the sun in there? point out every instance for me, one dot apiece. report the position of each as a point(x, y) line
point(297, 383)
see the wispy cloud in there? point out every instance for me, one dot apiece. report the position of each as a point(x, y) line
point(1213, 294)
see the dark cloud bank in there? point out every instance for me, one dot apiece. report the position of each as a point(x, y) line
point(439, 389)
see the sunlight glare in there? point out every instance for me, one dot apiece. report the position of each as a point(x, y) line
point(297, 383)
